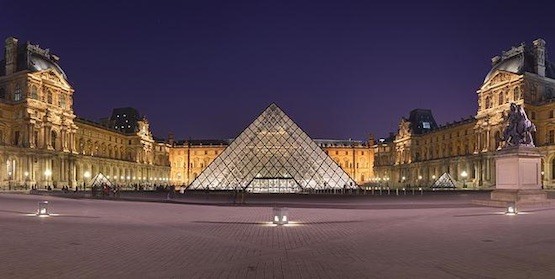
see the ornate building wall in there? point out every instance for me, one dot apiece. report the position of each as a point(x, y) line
point(42, 143)
point(520, 75)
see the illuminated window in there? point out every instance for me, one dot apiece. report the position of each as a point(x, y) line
point(488, 102)
point(426, 125)
point(17, 94)
point(62, 101)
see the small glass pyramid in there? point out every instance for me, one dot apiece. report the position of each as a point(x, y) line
point(273, 155)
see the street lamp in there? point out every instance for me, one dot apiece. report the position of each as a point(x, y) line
point(47, 174)
point(26, 174)
point(420, 180)
point(86, 175)
point(464, 175)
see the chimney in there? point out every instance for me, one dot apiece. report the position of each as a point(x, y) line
point(371, 140)
point(171, 139)
point(10, 55)
point(539, 54)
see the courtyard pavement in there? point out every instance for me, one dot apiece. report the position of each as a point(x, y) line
point(436, 236)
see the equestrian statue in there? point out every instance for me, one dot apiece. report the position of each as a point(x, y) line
point(519, 128)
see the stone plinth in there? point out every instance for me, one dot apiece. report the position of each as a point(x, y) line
point(517, 175)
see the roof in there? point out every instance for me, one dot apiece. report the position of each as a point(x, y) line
point(422, 121)
point(338, 143)
point(519, 60)
point(33, 58)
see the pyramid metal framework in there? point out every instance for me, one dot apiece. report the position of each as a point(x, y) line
point(273, 155)
point(445, 181)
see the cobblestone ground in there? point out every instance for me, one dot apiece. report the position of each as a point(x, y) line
point(123, 239)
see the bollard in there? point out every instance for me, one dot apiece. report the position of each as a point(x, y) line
point(421, 191)
point(43, 208)
point(280, 216)
point(413, 191)
point(405, 191)
point(397, 191)
point(372, 188)
point(511, 208)
point(388, 191)
point(380, 190)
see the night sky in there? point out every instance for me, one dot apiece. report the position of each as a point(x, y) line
point(340, 69)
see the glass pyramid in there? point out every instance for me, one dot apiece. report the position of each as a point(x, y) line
point(273, 155)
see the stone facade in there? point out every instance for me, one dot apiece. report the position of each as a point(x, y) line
point(465, 149)
point(43, 143)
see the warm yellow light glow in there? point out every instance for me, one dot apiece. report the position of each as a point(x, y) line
point(47, 173)
point(87, 174)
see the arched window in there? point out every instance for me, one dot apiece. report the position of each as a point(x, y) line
point(553, 168)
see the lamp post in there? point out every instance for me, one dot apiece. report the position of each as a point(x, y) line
point(464, 174)
point(86, 176)
point(26, 174)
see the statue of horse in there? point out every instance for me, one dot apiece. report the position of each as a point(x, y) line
point(519, 128)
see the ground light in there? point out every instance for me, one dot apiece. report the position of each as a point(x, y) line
point(511, 208)
point(280, 216)
point(43, 209)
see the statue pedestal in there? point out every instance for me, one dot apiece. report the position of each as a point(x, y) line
point(518, 176)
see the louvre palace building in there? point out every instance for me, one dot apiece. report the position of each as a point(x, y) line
point(421, 151)
point(43, 143)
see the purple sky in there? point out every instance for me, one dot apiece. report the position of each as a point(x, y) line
point(340, 69)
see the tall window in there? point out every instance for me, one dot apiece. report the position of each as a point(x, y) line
point(16, 138)
point(62, 101)
point(501, 99)
point(551, 137)
point(49, 97)
point(2, 93)
point(53, 137)
point(488, 102)
point(33, 94)
point(17, 94)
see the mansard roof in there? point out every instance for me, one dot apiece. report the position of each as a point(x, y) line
point(33, 58)
point(422, 121)
point(519, 60)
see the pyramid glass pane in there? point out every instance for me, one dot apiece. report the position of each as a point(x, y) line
point(273, 155)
